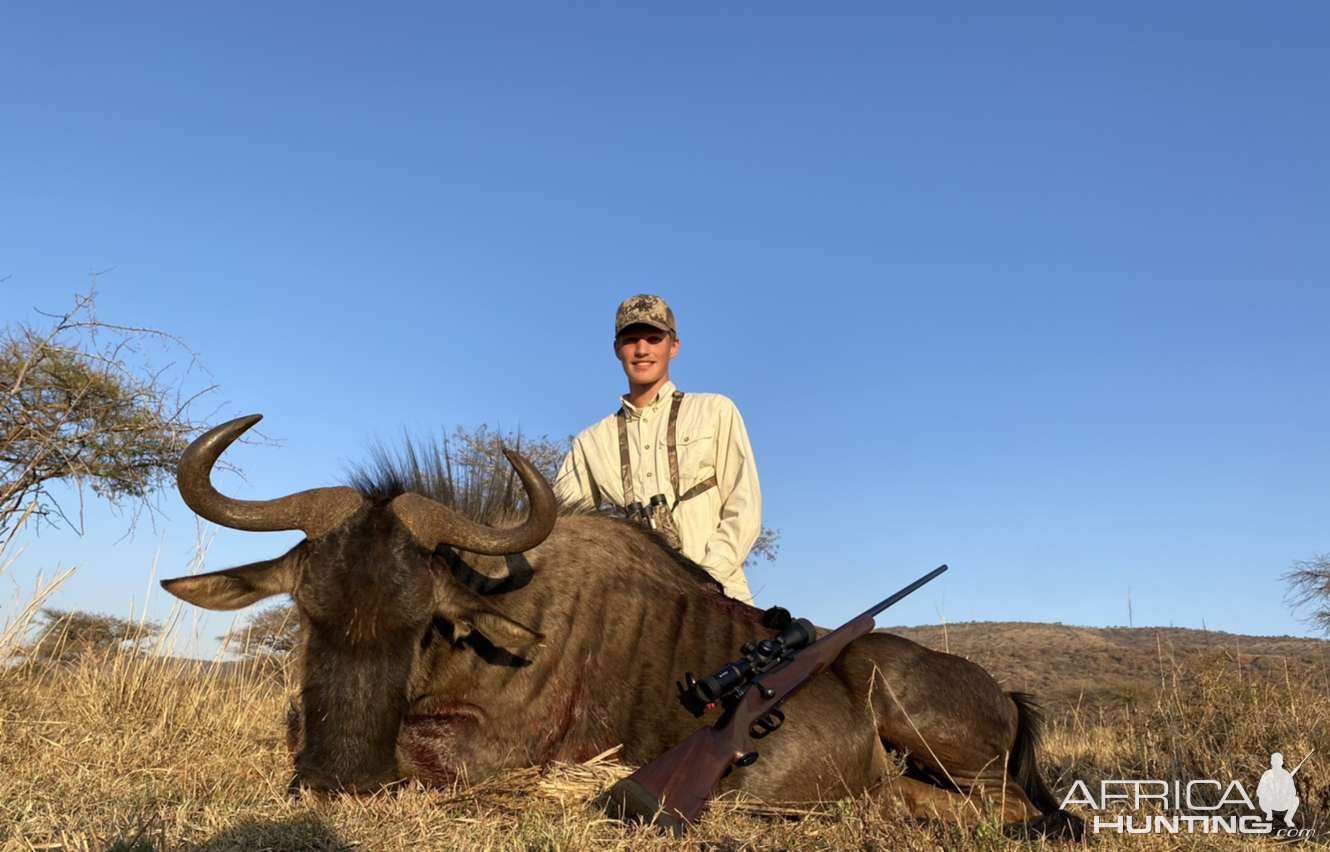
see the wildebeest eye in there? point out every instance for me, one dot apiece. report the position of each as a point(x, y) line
point(436, 628)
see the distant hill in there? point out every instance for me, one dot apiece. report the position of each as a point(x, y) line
point(1063, 664)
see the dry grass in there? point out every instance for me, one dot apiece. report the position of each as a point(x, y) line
point(129, 752)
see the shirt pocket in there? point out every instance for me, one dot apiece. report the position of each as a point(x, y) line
point(697, 457)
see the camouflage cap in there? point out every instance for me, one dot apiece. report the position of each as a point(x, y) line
point(646, 309)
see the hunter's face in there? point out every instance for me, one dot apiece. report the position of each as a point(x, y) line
point(645, 353)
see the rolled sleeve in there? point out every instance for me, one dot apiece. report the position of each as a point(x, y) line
point(740, 520)
point(574, 485)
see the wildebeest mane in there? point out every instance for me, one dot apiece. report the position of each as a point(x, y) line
point(480, 485)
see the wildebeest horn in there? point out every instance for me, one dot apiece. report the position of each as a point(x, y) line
point(433, 524)
point(315, 511)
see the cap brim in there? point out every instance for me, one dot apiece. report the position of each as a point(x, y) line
point(651, 323)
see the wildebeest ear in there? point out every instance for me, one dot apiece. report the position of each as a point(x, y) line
point(472, 614)
point(497, 629)
point(238, 587)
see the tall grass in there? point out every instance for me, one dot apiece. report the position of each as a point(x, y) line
point(20, 612)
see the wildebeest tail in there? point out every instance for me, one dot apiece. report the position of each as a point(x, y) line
point(1022, 765)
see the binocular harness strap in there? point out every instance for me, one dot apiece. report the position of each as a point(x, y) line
point(626, 467)
point(699, 487)
point(669, 443)
point(624, 464)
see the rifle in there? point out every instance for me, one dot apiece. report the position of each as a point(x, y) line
point(669, 791)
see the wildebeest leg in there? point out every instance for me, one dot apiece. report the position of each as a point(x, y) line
point(923, 800)
point(995, 791)
point(953, 722)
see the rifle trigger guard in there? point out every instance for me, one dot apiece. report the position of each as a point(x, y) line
point(767, 723)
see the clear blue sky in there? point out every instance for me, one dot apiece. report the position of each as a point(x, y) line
point(1038, 290)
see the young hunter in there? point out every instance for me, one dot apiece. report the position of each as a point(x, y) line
point(689, 451)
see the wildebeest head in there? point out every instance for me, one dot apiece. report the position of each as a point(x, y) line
point(369, 593)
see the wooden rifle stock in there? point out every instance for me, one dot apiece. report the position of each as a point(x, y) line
point(670, 791)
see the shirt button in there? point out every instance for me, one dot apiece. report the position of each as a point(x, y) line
point(648, 474)
point(646, 446)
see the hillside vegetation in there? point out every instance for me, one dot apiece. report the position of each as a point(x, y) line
point(1067, 666)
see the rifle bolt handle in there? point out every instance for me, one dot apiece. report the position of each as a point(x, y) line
point(766, 691)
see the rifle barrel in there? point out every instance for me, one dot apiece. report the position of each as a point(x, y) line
point(1300, 762)
point(910, 589)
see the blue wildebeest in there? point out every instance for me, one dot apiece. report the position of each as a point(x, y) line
point(439, 648)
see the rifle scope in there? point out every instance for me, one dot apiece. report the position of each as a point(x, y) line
point(799, 633)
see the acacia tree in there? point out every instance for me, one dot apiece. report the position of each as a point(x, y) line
point(82, 404)
point(65, 635)
point(767, 547)
point(1309, 583)
point(272, 632)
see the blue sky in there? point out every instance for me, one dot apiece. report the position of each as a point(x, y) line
point(1038, 291)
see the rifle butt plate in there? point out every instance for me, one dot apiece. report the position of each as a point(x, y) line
point(629, 801)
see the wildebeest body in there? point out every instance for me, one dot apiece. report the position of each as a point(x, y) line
point(439, 649)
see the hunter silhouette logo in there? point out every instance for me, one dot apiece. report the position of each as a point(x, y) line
point(1276, 792)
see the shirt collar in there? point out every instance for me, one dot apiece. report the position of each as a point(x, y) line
point(633, 412)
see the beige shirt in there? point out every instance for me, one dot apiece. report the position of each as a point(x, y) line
point(718, 526)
